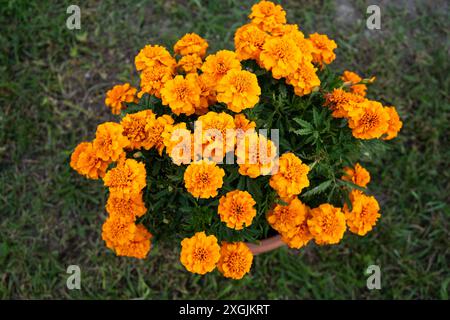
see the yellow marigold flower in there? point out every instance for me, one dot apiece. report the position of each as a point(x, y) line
point(249, 41)
point(298, 236)
point(284, 218)
point(239, 90)
point(236, 209)
point(235, 260)
point(217, 65)
point(117, 231)
point(267, 15)
point(191, 43)
point(371, 122)
point(153, 80)
point(154, 56)
point(203, 178)
point(154, 128)
point(212, 124)
point(207, 92)
point(364, 214)
point(181, 95)
point(85, 161)
point(281, 56)
point(353, 79)
point(118, 96)
point(357, 175)
point(304, 79)
point(200, 253)
point(109, 141)
point(256, 155)
point(242, 123)
point(304, 45)
point(394, 124)
point(343, 104)
point(327, 224)
point(127, 179)
point(179, 143)
point(292, 176)
point(128, 208)
point(190, 63)
point(134, 128)
point(138, 247)
point(322, 49)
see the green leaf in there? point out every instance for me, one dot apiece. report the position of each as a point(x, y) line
point(318, 189)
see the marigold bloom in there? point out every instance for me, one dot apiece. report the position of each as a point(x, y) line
point(371, 122)
point(394, 124)
point(281, 56)
point(153, 80)
point(242, 123)
point(109, 141)
point(357, 175)
point(284, 218)
point(343, 104)
point(267, 15)
point(127, 179)
point(236, 209)
point(239, 90)
point(181, 95)
point(154, 56)
point(134, 128)
point(304, 45)
point(178, 141)
point(118, 230)
point(327, 224)
point(138, 247)
point(154, 128)
point(191, 43)
point(292, 176)
point(128, 208)
point(304, 79)
point(235, 260)
point(364, 213)
point(353, 78)
point(118, 96)
point(298, 236)
point(85, 161)
point(207, 92)
point(200, 253)
point(203, 178)
point(249, 41)
point(217, 65)
point(322, 49)
point(190, 63)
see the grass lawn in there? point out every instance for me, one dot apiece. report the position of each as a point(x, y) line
point(52, 87)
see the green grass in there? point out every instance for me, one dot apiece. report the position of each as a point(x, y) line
point(52, 86)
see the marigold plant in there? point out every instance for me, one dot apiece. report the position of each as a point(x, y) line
point(218, 151)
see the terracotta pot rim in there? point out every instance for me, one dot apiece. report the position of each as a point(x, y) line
point(266, 245)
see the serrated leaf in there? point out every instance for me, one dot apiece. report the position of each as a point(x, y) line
point(318, 189)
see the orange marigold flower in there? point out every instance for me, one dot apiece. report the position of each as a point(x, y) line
point(364, 213)
point(134, 128)
point(191, 43)
point(154, 128)
point(203, 178)
point(153, 80)
point(235, 260)
point(181, 95)
point(327, 224)
point(128, 208)
point(394, 124)
point(190, 63)
point(117, 230)
point(236, 209)
point(322, 49)
point(249, 41)
point(304, 45)
point(357, 175)
point(154, 56)
point(138, 247)
point(267, 15)
point(354, 79)
point(304, 79)
point(343, 104)
point(179, 143)
point(200, 253)
point(242, 123)
point(284, 218)
point(298, 236)
point(239, 90)
point(109, 141)
point(207, 92)
point(292, 176)
point(217, 65)
point(118, 96)
point(281, 56)
point(85, 161)
point(127, 179)
point(371, 122)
